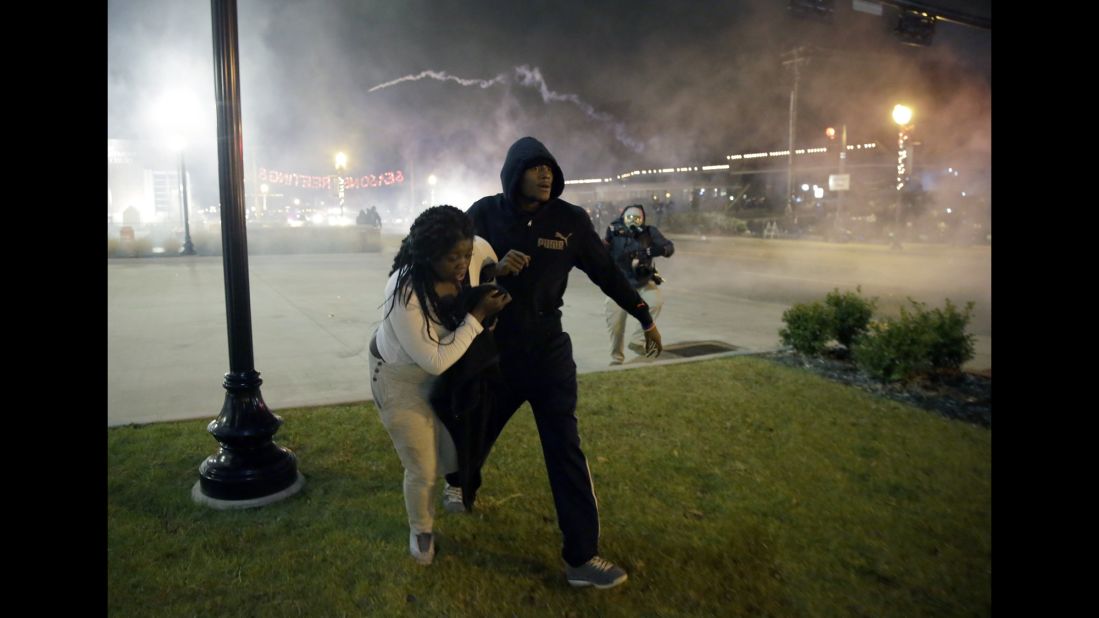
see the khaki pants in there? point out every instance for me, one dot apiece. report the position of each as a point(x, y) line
point(616, 320)
point(422, 441)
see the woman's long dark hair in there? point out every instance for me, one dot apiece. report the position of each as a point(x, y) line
point(433, 234)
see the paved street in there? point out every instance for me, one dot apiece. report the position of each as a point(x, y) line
point(312, 315)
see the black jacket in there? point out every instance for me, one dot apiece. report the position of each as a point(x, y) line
point(642, 244)
point(464, 396)
point(557, 236)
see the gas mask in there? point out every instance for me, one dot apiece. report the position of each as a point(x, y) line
point(634, 218)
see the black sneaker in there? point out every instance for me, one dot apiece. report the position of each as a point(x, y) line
point(595, 572)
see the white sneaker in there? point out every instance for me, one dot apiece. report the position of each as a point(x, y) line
point(452, 499)
point(422, 547)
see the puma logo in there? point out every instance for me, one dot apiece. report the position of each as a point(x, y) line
point(559, 244)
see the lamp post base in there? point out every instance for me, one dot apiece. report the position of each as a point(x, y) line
point(225, 505)
point(249, 466)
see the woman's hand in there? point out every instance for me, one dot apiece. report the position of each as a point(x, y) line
point(490, 304)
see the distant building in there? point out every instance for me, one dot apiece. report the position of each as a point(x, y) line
point(146, 180)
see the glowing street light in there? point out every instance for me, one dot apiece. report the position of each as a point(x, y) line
point(902, 115)
point(341, 166)
point(176, 113)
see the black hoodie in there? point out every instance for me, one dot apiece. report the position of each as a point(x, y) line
point(557, 237)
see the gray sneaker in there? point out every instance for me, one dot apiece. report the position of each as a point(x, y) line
point(595, 572)
point(452, 499)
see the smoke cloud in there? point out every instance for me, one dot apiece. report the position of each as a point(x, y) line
point(609, 87)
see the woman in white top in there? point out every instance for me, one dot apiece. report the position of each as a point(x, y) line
point(414, 345)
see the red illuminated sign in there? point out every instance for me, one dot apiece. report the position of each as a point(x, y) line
point(305, 181)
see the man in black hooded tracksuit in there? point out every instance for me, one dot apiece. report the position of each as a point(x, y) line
point(540, 238)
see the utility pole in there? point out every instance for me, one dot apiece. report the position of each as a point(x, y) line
point(840, 228)
point(794, 58)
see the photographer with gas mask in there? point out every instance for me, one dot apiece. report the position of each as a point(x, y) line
point(633, 245)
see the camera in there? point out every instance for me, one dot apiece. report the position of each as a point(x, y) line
point(629, 231)
point(646, 269)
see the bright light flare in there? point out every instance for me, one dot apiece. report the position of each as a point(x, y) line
point(176, 113)
point(902, 114)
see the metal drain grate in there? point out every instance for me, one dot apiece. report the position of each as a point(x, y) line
point(688, 349)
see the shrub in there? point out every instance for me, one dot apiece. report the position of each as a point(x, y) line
point(171, 246)
point(892, 350)
point(206, 243)
point(851, 314)
point(142, 247)
point(951, 346)
point(139, 247)
point(808, 327)
point(918, 341)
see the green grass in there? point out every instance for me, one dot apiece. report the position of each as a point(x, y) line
point(731, 487)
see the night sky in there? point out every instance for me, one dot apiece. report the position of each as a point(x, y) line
point(653, 83)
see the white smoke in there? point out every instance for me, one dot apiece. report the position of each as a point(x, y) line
point(442, 76)
point(530, 78)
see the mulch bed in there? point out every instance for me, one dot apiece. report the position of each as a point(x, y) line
point(965, 396)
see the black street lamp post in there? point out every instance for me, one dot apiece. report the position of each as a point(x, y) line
point(248, 469)
point(188, 246)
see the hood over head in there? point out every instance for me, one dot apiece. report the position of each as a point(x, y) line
point(523, 155)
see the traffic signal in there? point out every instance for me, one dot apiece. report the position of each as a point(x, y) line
point(915, 27)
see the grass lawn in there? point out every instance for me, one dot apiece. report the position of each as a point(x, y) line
point(729, 487)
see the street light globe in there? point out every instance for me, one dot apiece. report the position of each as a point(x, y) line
point(902, 115)
point(176, 113)
point(264, 188)
point(431, 180)
point(341, 161)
